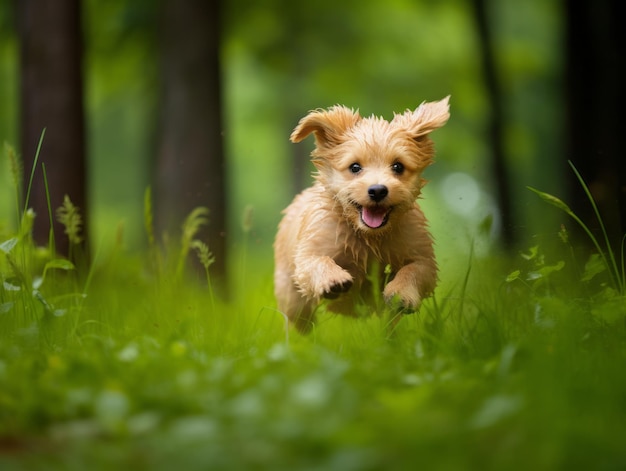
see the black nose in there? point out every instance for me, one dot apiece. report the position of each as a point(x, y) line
point(377, 192)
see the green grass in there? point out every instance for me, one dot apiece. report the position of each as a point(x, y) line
point(515, 364)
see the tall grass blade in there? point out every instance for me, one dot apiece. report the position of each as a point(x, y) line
point(616, 272)
point(609, 261)
point(148, 219)
point(554, 201)
point(32, 170)
point(623, 255)
point(466, 279)
point(51, 237)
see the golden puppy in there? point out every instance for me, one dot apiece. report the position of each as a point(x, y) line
point(360, 216)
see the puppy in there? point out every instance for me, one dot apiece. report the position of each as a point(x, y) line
point(359, 224)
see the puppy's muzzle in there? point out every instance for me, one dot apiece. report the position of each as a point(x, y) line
point(375, 215)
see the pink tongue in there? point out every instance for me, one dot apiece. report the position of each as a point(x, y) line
point(374, 217)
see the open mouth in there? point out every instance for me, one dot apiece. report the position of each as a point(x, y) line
point(374, 217)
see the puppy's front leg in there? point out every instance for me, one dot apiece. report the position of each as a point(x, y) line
point(412, 283)
point(318, 276)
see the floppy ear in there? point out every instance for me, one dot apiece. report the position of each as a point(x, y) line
point(426, 118)
point(328, 126)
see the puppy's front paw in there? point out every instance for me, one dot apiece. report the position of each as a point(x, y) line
point(401, 298)
point(397, 306)
point(322, 278)
point(336, 282)
point(337, 289)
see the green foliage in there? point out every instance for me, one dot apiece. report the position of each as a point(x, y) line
point(607, 253)
point(148, 216)
point(32, 170)
point(147, 369)
point(69, 216)
point(22, 296)
point(204, 254)
point(206, 259)
point(16, 169)
point(197, 218)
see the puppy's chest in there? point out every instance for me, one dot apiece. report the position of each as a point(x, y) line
point(363, 258)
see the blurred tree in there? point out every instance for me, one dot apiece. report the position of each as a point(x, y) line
point(286, 38)
point(595, 100)
point(190, 167)
point(51, 97)
point(495, 120)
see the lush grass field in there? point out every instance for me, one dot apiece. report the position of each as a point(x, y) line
point(134, 364)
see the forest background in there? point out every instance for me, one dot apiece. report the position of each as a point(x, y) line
point(197, 100)
point(115, 359)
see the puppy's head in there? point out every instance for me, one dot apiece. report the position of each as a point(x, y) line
point(373, 167)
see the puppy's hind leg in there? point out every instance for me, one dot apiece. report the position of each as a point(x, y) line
point(299, 310)
point(304, 319)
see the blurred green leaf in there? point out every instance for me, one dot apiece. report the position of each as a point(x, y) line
point(594, 266)
point(545, 271)
point(55, 264)
point(496, 409)
point(8, 245)
point(59, 263)
point(553, 200)
point(513, 276)
point(532, 253)
point(6, 307)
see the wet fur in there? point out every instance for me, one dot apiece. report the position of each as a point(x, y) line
point(324, 248)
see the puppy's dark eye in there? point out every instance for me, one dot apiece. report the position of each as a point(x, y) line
point(397, 168)
point(355, 168)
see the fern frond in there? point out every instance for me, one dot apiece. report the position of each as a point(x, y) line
point(26, 223)
point(70, 217)
point(16, 169)
point(206, 259)
point(16, 165)
point(197, 218)
point(204, 254)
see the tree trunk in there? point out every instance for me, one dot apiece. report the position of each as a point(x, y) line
point(595, 103)
point(51, 97)
point(190, 169)
point(495, 121)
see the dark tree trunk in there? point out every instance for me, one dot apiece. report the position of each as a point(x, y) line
point(595, 103)
point(495, 122)
point(51, 97)
point(190, 169)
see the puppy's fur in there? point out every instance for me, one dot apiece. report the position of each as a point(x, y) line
point(360, 215)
